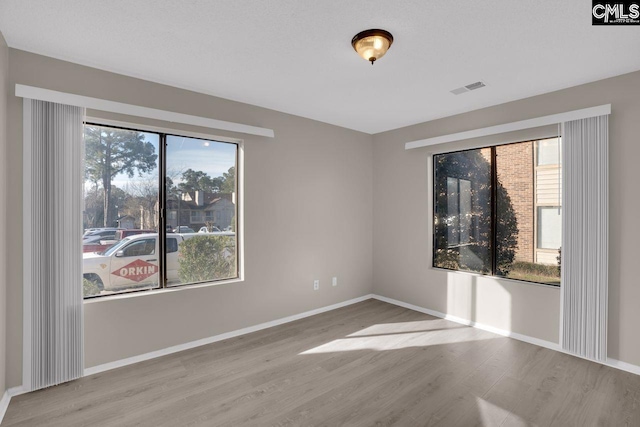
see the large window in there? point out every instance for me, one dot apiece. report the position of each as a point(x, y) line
point(497, 211)
point(131, 178)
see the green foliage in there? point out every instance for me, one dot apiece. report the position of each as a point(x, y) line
point(198, 180)
point(539, 273)
point(229, 181)
point(205, 258)
point(94, 205)
point(506, 232)
point(559, 259)
point(109, 152)
point(473, 167)
point(533, 268)
point(89, 288)
point(447, 258)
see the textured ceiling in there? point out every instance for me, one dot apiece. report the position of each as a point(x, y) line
point(295, 56)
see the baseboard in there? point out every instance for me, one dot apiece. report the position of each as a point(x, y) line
point(4, 404)
point(613, 363)
point(624, 366)
point(16, 391)
point(186, 346)
point(503, 332)
point(6, 399)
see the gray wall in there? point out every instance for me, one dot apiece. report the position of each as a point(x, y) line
point(4, 77)
point(308, 215)
point(402, 233)
point(310, 212)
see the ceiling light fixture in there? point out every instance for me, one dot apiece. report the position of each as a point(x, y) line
point(372, 44)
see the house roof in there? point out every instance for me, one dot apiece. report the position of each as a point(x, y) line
point(210, 200)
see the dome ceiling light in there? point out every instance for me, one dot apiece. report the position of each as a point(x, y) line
point(372, 44)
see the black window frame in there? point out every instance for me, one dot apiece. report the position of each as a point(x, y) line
point(493, 203)
point(162, 215)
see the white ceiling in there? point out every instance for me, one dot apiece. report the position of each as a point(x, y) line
point(295, 56)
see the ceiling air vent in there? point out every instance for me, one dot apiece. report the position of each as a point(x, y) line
point(467, 88)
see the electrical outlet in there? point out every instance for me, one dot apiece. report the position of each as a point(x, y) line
point(316, 285)
point(334, 281)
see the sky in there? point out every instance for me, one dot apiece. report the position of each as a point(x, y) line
point(211, 157)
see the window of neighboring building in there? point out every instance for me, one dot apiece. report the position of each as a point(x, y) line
point(548, 152)
point(197, 217)
point(549, 227)
point(497, 211)
point(136, 175)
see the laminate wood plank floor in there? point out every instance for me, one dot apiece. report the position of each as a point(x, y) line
point(367, 364)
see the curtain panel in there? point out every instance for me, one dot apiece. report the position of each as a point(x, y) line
point(53, 303)
point(585, 247)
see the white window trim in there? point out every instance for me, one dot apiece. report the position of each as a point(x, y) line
point(32, 92)
point(552, 119)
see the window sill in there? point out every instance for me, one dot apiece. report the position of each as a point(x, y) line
point(149, 292)
point(488, 276)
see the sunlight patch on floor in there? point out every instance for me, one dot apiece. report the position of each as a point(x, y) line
point(401, 327)
point(396, 339)
point(493, 415)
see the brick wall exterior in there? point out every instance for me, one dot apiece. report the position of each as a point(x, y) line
point(516, 174)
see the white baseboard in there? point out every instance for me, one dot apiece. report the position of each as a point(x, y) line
point(503, 332)
point(623, 366)
point(165, 351)
point(4, 404)
point(6, 399)
point(16, 391)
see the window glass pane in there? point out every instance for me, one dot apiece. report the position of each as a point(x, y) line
point(549, 227)
point(201, 188)
point(523, 223)
point(172, 244)
point(462, 220)
point(548, 152)
point(139, 248)
point(465, 210)
point(453, 212)
point(120, 194)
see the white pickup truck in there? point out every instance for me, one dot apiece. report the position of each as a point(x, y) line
point(133, 262)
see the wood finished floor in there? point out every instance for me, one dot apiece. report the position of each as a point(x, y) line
point(367, 364)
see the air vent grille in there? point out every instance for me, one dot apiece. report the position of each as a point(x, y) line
point(469, 87)
point(476, 85)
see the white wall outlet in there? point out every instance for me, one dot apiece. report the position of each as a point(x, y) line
point(334, 281)
point(316, 285)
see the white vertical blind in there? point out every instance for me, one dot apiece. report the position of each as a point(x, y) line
point(52, 243)
point(586, 238)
